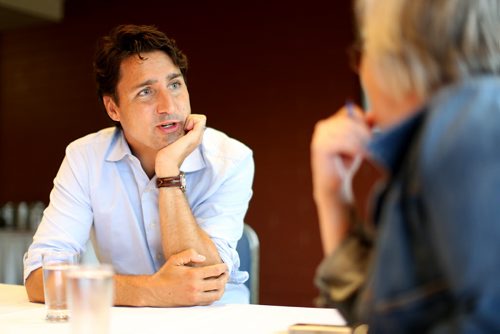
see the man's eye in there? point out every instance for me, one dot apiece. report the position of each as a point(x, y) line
point(175, 85)
point(145, 92)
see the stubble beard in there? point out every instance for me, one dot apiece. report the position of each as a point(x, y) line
point(172, 137)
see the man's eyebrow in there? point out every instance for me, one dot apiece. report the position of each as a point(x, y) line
point(171, 76)
point(174, 75)
point(145, 83)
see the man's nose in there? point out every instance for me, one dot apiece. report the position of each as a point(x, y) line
point(165, 103)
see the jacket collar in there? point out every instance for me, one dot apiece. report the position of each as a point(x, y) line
point(388, 147)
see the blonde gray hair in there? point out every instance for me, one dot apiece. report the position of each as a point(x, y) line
point(421, 45)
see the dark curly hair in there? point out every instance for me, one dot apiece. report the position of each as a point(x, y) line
point(127, 40)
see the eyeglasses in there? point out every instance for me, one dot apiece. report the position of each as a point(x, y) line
point(354, 53)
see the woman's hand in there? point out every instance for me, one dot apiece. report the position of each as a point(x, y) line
point(336, 143)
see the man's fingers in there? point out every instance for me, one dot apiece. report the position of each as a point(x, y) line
point(189, 124)
point(185, 257)
point(208, 297)
point(210, 272)
point(196, 122)
point(214, 283)
point(213, 289)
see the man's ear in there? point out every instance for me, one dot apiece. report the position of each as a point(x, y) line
point(111, 108)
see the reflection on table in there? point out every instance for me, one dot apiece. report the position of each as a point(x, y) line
point(19, 316)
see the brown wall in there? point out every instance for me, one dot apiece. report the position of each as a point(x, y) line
point(263, 72)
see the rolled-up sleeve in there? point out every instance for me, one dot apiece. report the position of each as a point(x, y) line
point(222, 212)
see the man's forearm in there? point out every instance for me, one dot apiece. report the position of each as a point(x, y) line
point(132, 290)
point(129, 290)
point(179, 228)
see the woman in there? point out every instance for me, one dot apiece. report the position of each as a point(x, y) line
point(430, 71)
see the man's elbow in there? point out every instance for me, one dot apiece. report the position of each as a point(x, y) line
point(34, 286)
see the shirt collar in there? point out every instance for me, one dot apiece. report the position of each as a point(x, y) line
point(119, 149)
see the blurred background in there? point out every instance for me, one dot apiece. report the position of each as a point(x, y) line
point(262, 71)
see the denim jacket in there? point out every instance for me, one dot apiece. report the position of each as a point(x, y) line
point(436, 265)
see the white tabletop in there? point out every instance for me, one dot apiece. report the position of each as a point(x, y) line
point(19, 316)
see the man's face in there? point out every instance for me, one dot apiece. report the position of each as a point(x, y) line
point(153, 102)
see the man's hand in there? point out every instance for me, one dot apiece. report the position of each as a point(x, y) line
point(170, 158)
point(177, 283)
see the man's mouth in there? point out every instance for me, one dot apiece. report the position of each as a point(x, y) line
point(168, 125)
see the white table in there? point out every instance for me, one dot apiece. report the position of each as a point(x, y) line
point(19, 316)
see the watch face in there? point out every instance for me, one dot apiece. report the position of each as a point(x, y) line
point(183, 181)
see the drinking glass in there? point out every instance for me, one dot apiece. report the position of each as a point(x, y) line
point(54, 266)
point(90, 297)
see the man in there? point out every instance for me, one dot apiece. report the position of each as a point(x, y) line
point(163, 197)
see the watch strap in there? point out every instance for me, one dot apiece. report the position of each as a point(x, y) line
point(172, 181)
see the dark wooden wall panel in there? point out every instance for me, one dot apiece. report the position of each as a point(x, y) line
point(263, 72)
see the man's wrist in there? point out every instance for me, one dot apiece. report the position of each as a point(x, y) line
point(167, 171)
point(178, 181)
point(133, 290)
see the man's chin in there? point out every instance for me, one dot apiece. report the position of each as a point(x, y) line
point(170, 139)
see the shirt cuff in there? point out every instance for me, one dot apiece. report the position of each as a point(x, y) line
point(32, 260)
point(231, 258)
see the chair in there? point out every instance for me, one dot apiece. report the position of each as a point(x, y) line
point(248, 248)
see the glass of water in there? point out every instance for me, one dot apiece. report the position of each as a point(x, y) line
point(55, 264)
point(90, 297)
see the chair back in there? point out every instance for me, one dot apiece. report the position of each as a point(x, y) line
point(248, 248)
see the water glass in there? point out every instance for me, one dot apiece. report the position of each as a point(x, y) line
point(90, 297)
point(55, 264)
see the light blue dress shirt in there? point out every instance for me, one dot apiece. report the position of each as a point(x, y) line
point(101, 191)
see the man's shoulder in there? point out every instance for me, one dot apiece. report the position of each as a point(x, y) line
point(97, 141)
point(217, 144)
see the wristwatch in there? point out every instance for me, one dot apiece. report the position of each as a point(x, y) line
point(178, 181)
